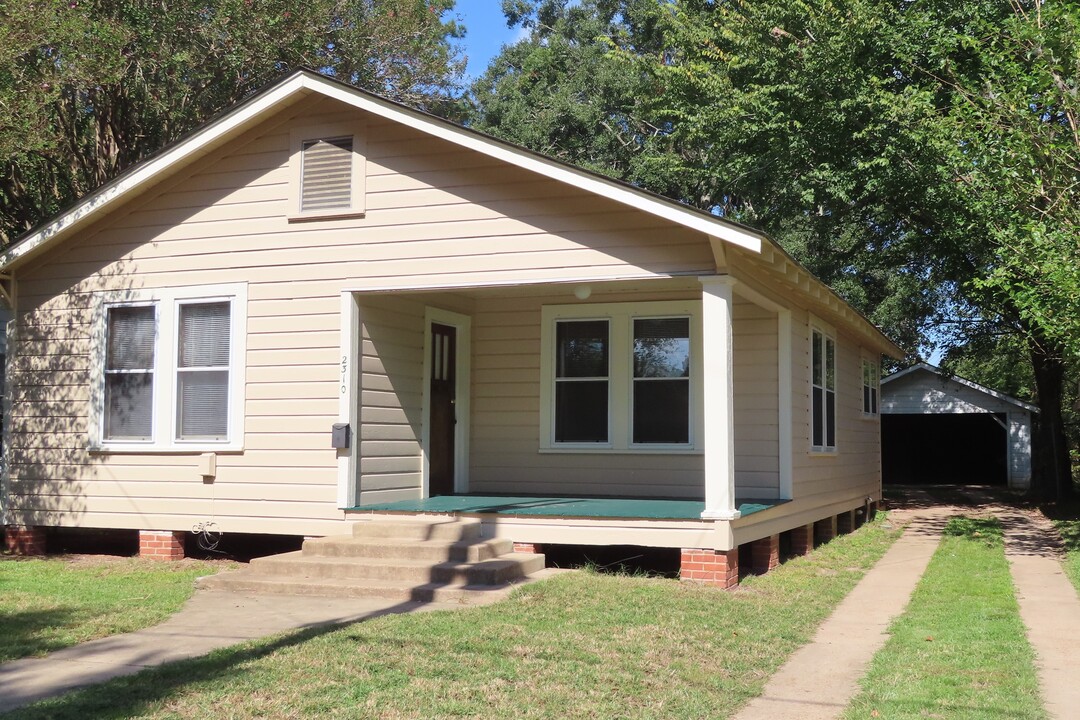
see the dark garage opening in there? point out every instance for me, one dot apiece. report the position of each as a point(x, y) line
point(963, 449)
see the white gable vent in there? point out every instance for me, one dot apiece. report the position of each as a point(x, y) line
point(326, 183)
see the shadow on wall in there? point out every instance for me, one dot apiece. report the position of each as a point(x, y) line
point(50, 346)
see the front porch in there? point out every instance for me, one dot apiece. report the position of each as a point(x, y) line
point(709, 548)
point(561, 507)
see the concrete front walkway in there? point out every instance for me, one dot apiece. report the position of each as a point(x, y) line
point(209, 620)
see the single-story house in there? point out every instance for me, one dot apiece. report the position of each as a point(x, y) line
point(941, 428)
point(323, 304)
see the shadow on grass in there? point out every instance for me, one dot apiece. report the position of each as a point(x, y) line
point(985, 530)
point(29, 633)
point(1066, 517)
point(133, 695)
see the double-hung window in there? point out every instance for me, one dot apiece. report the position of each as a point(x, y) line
point(661, 396)
point(170, 367)
point(202, 371)
point(621, 377)
point(582, 383)
point(823, 392)
point(870, 380)
point(129, 372)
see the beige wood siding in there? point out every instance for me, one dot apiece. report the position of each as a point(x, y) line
point(506, 410)
point(391, 380)
point(855, 468)
point(436, 214)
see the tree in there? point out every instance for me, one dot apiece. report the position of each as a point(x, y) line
point(918, 156)
point(562, 90)
point(938, 134)
point(88, 88)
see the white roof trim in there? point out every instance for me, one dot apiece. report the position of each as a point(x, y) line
point(203, 139)
point(957, 379)
point(191, 148)
point(553, 169)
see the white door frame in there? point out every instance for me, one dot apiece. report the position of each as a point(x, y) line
point(463, 362)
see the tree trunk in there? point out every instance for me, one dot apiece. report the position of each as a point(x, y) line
point(1051, 474)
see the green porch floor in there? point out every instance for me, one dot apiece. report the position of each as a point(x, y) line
point(563, 506)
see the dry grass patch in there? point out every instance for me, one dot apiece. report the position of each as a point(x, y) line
point(581, 645)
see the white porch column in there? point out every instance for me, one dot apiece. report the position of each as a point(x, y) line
point(719, 431)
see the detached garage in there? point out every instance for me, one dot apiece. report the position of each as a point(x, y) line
point(937, 428)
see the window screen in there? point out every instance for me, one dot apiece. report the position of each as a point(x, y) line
point(202, 372)
point(129, 373)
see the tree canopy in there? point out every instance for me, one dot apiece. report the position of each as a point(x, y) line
point(89, 87)
point(921, 156)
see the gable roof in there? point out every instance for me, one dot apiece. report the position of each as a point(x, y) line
point(303, 83)
point(934, 370)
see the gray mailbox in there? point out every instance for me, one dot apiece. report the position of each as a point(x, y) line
point(339, 436)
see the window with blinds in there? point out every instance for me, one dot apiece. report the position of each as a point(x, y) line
point(202, 371)
point(129, 373)
point(170, 368)
point(326, 174)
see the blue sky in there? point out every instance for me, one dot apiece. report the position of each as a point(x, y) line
point(486, 32)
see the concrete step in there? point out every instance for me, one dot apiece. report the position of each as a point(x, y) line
point(247, 582)
point(491, 572)
point(430, 550)
point(437, 527)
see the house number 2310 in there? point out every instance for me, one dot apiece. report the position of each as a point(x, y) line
point(344, 373)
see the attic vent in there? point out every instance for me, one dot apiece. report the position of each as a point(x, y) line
point(327, 174)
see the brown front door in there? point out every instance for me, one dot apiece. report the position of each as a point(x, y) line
point(443, 419)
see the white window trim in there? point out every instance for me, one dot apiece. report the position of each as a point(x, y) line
point(167, 303)
point(829, 332)
point(297, 137)
point(875, 368)
point(620, 375)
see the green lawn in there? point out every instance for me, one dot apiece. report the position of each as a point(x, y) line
point(581, 645)
point(53, 603)
point(959, 651)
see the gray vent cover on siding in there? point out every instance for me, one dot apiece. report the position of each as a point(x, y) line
point(327, 175)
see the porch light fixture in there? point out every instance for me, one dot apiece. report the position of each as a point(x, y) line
point(582, 292)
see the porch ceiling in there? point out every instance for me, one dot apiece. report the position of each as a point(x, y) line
point(563, 507)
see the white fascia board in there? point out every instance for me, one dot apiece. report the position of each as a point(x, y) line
point(549, 168)
point(199, 144)
point(907, 371)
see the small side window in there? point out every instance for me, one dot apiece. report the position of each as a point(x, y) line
point(823, 392)
point(871, 379)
